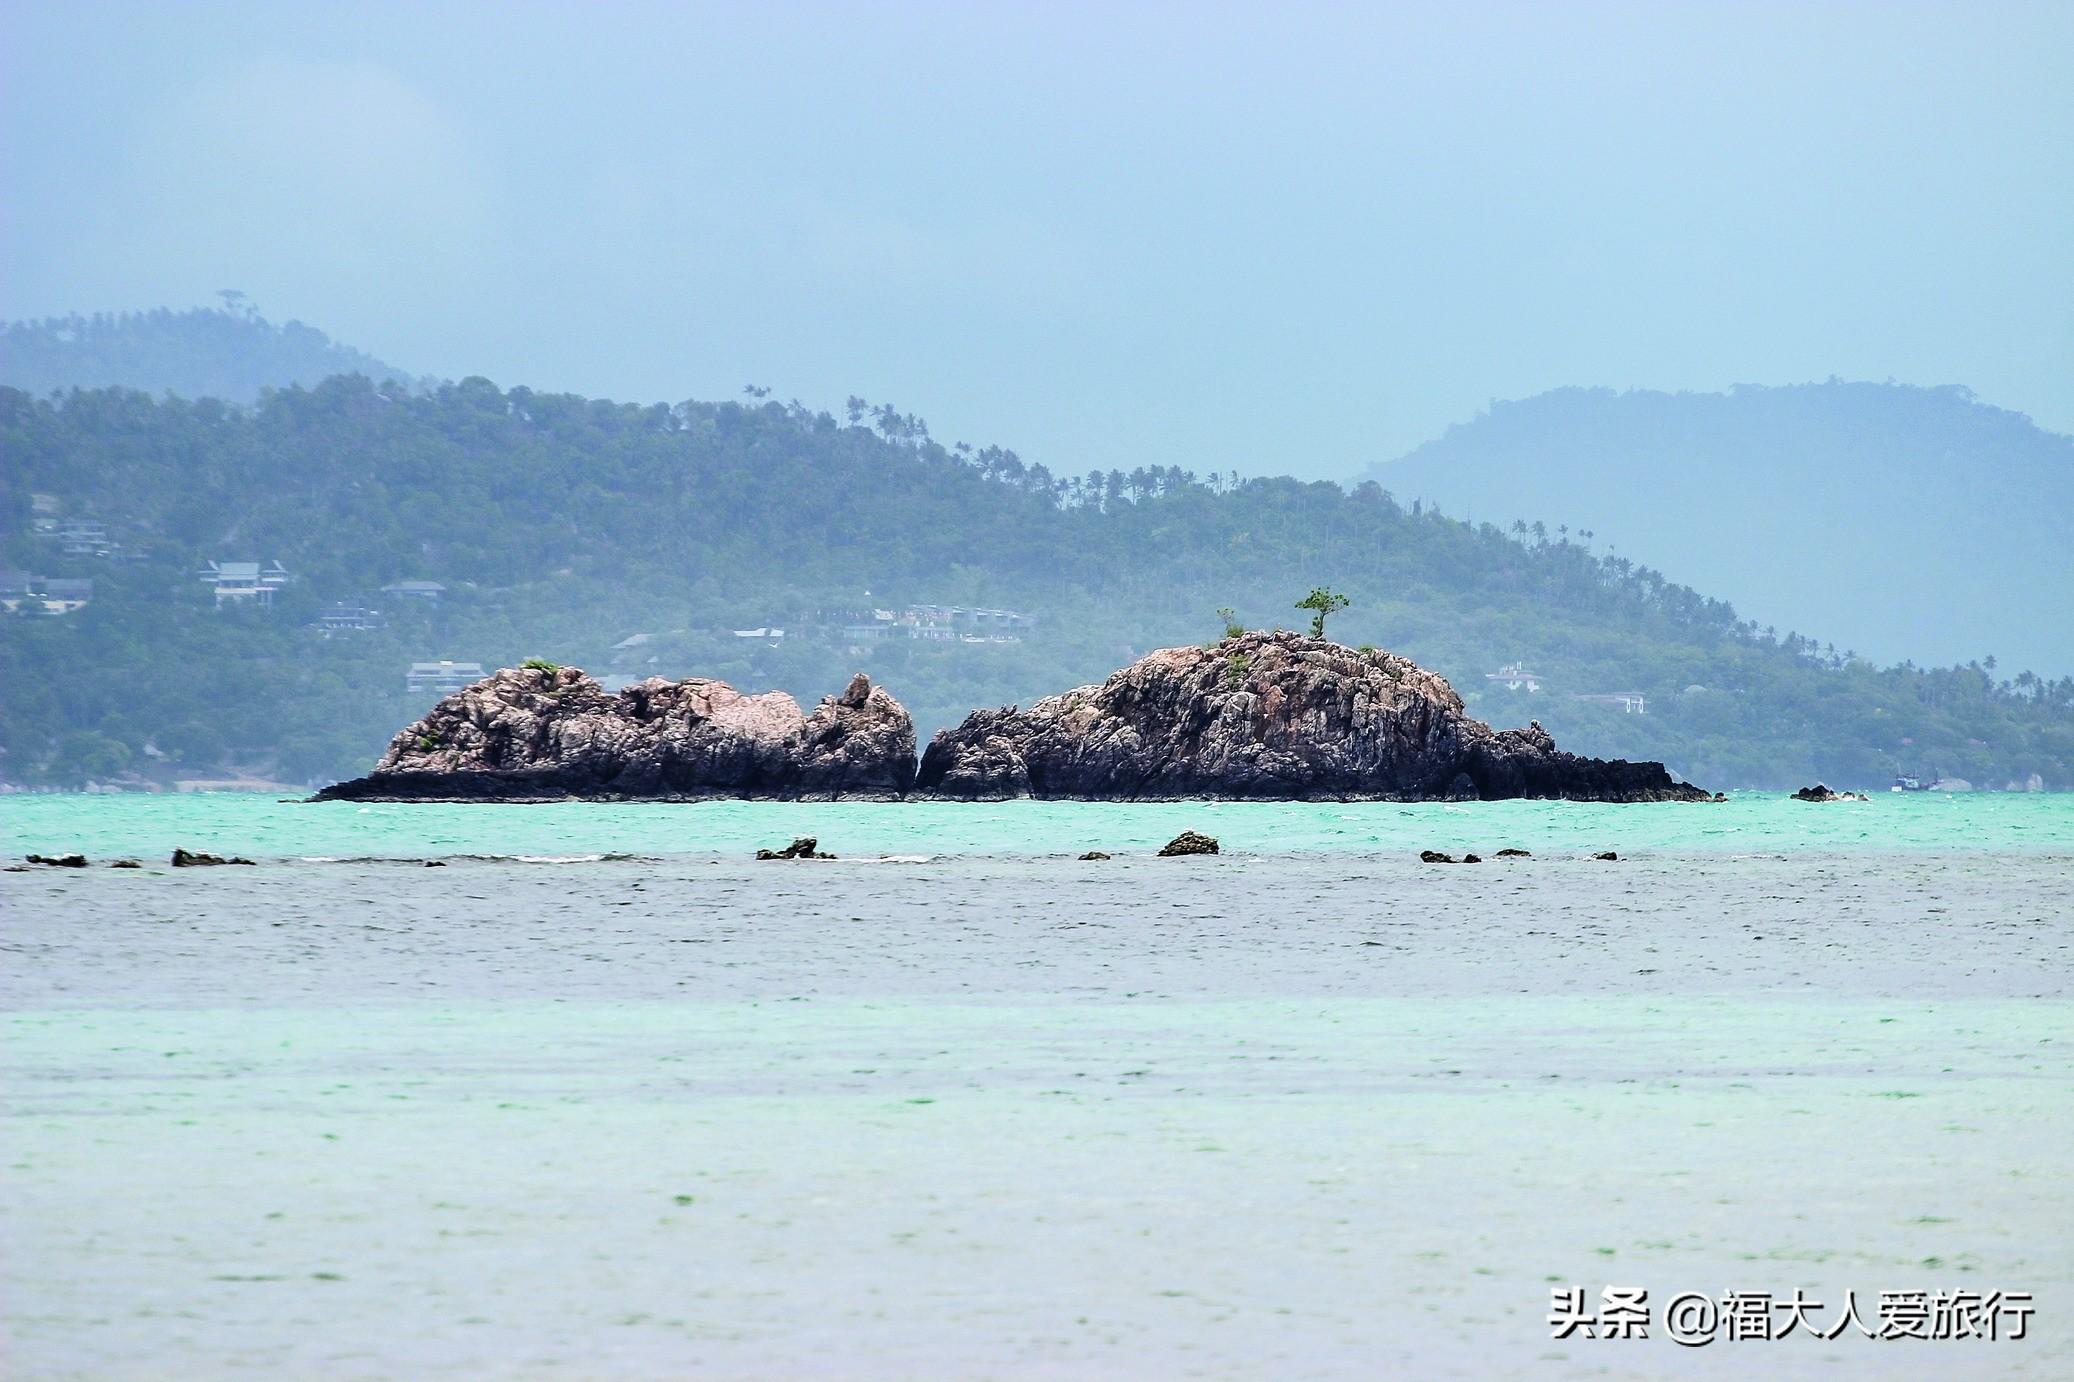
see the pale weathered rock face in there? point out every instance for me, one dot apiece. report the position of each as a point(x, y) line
point(529, 734)
point(1269, 715)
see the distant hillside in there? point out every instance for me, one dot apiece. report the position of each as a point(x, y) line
point(1906, 523)
point(764, 543)
point(201, 353)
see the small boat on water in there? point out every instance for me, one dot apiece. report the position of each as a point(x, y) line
point(1908, 784)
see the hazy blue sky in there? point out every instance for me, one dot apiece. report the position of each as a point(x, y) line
point(1254, 237)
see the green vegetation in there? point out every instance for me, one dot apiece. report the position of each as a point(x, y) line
point(1322, 601)
point(563, 525)
point(541, 664)
point(1232, 627)
point(231, 353)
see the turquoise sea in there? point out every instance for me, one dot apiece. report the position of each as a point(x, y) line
point(261, 826)
point(604, 1097)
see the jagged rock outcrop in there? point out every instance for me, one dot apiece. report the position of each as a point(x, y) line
point(1269, 715)
point(202, 859)
point(804, 847)
point(1821, 793)
point(535, 734)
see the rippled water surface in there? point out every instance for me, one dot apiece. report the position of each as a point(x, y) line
point(958, 1105)
point(148, 825)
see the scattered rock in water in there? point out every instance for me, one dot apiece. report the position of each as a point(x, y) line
point(1609, 856)
point(1097, 854)
point(1434, 856)
point(1472, 858)
point(127, 864)
point(60, 861)
point(805, 847)
point(1188, 842)
point(435, 863)
point(195, 858)
point(1821, 793)
point(1513, 854)
point(17, 868)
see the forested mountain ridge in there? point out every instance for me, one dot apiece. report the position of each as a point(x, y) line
point(1908, 522)
point(231, 353)
point(640, 539)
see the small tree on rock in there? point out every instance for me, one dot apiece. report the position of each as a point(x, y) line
point(1322, 600)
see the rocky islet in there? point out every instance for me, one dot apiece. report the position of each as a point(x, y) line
point(1257, 716)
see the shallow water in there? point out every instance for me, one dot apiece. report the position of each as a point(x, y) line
point(1306, 1109)
point(151, 825)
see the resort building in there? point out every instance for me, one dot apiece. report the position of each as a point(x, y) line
point(341, 617)
point(431, 592)
point(62, 595)
point(84, 537)
point(955, 624)
point(441, 678)
point(20, 590)
point(245, 582)
point(1630, 702)
point(1514, 677)
point(926, 623)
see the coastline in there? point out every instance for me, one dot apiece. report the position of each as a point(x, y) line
point(258, 825)
point(436, 792)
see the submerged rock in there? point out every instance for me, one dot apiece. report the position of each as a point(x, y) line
point(535, 734)
point(195, 859)
point(127, 864)
point(60, 861)
point(1434, 856)
point(805, 847)
point(1513, 854)
point(1608, 855)
point(1092, 855)
point(1188, 842)
point(1269, 716)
